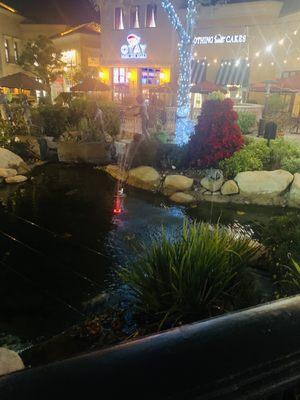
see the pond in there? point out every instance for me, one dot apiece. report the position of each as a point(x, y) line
point(61, 245)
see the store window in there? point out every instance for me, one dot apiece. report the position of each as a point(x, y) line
point(7, 54)
point(150, 76)
point(119, 19)
point(289, 74)
point(120, 75)
point(151, 16)
point(16, 52)
point(135, 17)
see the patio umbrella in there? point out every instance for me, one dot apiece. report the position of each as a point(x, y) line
point(21, 81)
point(207, 87)
point(292, 83)
point(275, 87)
point(90, 85)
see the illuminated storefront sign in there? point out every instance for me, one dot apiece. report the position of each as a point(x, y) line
point(134, 49)
point(220, 39)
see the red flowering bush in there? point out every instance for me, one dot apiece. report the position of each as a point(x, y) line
point(217, 134)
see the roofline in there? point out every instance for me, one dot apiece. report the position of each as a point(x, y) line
point(8, 8)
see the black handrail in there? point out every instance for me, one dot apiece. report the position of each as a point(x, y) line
point(252, 354)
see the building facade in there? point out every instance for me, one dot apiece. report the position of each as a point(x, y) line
point(236, 45)
point(80, 45)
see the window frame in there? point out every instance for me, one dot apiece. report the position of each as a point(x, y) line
point(153, 5)
point(122, 18)
point(135, 7)
point(7, 50)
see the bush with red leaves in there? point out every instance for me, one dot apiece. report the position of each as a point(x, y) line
point(217, 134)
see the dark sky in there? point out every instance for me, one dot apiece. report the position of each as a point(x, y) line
point(70, 12)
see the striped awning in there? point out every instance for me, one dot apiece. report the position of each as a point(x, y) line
point(199, 68)
point(233, 72)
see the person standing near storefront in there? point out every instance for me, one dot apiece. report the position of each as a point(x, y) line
point(143, 113)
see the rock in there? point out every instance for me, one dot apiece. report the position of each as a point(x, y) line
point(116, 172)
point(213, 180)
point(263, 183)
point(23, 169)
point(182, 198)
point(229, 187)
point(8, 159)
point(32, 143)
point(9, 362)
point(176, 183)
point(146, 178)
point(6, 172)
point(294, 194)
point(16, 179)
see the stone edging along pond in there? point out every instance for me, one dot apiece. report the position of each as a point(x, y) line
point(270, 188)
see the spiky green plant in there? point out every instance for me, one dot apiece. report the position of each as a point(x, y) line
point(291, 281)
point(194, 276)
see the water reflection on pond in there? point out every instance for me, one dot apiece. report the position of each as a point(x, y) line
point(61, 244)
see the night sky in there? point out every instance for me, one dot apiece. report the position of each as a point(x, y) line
point(70, 12)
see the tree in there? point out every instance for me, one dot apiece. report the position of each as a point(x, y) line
point(42, 59)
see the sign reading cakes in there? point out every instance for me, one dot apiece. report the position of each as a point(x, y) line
point(220, 39)
point(134, 49)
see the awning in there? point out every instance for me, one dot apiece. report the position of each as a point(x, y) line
point(198, 71)
point(233, 72)
point(206, 87)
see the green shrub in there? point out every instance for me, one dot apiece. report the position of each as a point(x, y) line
point(241, 161)
point(275, 103)
point(282, 150)
point(290, 284)
point(194, 276)
point(246, 121)
point(52, 118)
point(216, 96)
point(260, 150)
point(291, 164)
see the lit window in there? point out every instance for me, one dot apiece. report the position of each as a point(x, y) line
point(150, 76)
point(135, 17)
point(119, 18)
point(16, 52)
point(151, 15)
point(120, 75)
point(6, 46)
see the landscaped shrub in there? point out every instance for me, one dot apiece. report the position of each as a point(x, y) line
point(194, 276)
point(290, 283)
point(281, 151)
point(246, 121)
point(241, 161)
point(217, 135)
point(86, 108)
point(53, 119)
point(275, 103)
point(291, 164)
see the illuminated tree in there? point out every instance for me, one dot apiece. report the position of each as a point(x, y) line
point(41, 58)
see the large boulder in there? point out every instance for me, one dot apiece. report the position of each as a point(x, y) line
point(8, 159)
point(177, 183)
point(116, 172)
point(146, 178)
point(263, 183)
point(16, 179)
point(213, 180)
point(230, 187)
point(6, 172)
point(9, 362)
point(294, 194)
point(182, 198)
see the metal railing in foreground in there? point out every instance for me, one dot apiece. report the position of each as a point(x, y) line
point(252, 354)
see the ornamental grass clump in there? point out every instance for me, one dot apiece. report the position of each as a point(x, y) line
point(194, 276)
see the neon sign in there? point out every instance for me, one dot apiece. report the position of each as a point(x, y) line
point(134, 49)
point(220, 39)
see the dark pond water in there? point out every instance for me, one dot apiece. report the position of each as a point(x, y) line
point(61, 245)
